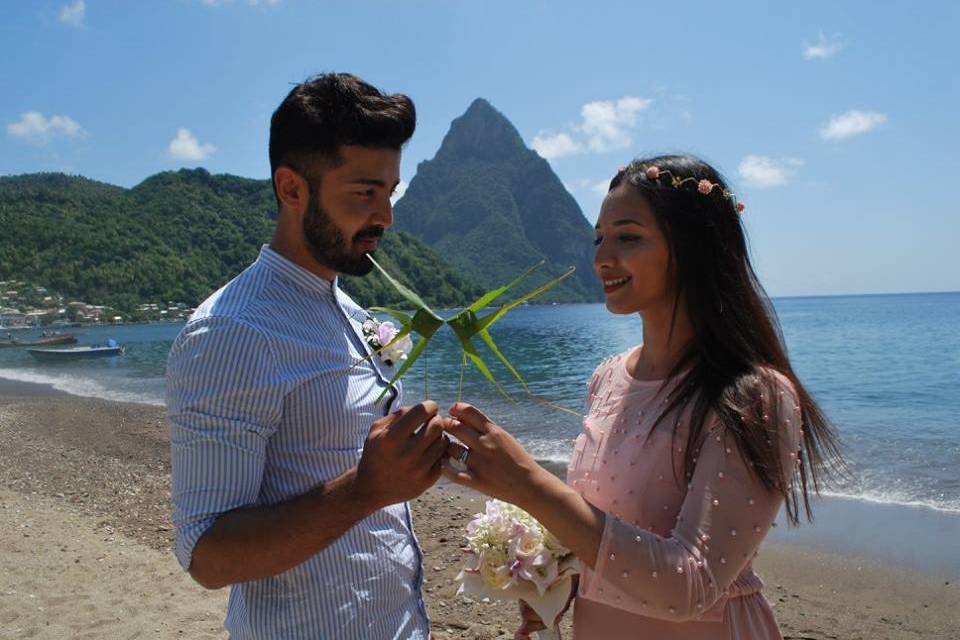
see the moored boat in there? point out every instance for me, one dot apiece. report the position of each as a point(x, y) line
point(43, 341)
point(75, 353)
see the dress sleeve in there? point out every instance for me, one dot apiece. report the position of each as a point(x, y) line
point(725, 515)
point(224, 401)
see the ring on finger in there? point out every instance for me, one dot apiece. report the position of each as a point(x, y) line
point(462, 458)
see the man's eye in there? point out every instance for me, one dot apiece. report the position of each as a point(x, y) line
point(628, 238)
point(366, 193)
point(597, 241)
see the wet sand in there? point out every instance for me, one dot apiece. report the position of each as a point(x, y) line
point(85, 546)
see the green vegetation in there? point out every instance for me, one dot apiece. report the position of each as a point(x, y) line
point(176, 237)
point(417, 266)
point(485, 205)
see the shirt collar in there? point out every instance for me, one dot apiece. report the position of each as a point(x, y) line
point(306, 279)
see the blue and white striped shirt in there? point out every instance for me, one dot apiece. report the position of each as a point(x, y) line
point(264, 403)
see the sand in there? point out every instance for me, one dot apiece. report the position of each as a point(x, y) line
point(86, 535)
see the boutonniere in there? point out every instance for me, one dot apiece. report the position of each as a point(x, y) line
point(383, 334)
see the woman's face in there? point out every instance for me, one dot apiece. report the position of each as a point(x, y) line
point(632, 256)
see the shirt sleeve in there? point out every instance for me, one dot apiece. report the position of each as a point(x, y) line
point(224, 401)
point(725, 515)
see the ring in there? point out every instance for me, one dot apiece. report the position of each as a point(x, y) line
point(462, 458)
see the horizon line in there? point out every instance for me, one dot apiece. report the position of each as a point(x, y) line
point(864, 295)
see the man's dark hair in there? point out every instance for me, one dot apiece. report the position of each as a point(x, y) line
point(334, 109)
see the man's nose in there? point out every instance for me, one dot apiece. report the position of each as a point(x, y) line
point(384, 214)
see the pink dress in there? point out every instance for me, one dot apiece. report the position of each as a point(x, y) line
point(675, 558)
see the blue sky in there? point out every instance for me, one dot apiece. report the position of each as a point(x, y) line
point(835, 122)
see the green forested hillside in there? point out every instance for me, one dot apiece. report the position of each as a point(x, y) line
point(176, 236)
point(484, 209)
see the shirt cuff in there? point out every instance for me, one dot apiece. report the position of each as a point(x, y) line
point(187, 538)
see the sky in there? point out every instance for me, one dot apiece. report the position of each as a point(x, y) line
point(835, 122)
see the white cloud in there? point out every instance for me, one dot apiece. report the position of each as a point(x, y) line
point(763, 171)
point(851, 123)
point(398, 192)
point(605, 125)
point(186, 147)
point(587, 184)
point(36, 128)
point(552, 146)
point(824, 47)
point(602, 187)
point(73, 14)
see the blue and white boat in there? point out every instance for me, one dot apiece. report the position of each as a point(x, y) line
point(108, 350)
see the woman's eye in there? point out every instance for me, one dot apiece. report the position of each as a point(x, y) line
point(628, 238)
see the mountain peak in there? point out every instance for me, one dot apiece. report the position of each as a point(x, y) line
point(492, 207)
point(480, 105)
point(481, 133)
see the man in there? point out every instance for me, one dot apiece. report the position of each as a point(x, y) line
point(289, 482)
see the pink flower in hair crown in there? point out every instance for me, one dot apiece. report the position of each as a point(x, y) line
point(704, 186)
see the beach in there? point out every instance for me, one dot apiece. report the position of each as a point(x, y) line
point(85, 546)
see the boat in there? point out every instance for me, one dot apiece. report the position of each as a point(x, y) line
point(76, 353)
point(42, 341)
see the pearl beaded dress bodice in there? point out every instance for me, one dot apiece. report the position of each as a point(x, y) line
point(675, 556)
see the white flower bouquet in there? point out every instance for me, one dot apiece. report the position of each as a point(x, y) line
point(513, 557)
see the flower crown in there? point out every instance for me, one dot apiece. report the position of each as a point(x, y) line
point(704, 186)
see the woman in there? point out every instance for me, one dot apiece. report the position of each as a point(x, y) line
point(693, 440)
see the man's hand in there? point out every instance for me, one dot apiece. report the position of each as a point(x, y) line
point(403, 455)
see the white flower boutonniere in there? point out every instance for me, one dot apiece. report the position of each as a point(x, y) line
point(380, 334)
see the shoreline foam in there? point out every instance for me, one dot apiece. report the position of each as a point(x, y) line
point(905, 516)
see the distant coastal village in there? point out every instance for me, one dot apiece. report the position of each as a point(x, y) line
point(24, 305)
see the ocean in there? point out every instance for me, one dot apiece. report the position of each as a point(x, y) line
point(886, 369)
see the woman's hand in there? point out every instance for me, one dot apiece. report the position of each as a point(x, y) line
point(530, 622)
point(496, 464)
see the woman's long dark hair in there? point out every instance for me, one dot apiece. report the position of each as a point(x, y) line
point(737, 342)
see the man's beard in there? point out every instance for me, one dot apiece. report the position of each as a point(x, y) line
point(327, 244)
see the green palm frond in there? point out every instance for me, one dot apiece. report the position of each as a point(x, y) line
point(465, 325)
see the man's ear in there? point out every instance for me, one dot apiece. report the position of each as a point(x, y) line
point(292, 189)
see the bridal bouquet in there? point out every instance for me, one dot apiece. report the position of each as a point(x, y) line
point(512, 557)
